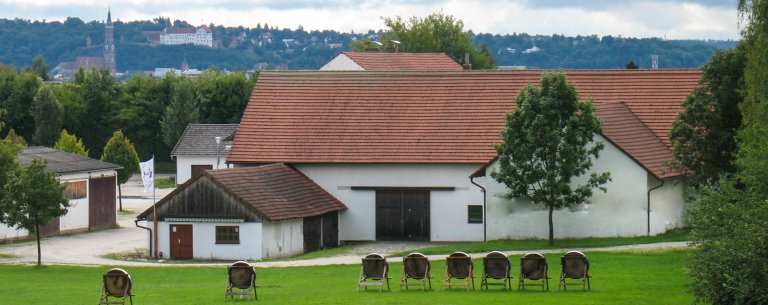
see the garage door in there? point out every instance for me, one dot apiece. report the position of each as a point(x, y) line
point(402, 214)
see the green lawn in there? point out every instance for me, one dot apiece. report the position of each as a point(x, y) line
point(529, 244)
point(618, 278)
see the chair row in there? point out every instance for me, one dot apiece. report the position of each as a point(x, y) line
point(459, 271)
point(117, 283)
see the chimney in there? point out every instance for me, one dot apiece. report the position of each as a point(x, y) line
point(467, 65)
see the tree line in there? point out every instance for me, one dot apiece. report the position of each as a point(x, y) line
point(721, 142)
point(152, 112)
point(241, 48)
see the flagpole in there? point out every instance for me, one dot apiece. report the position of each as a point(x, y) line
point(154, 206)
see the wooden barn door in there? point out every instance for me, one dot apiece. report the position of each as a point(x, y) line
point(402, 214)
point(181, 241)
point(330, 230)
point(312, 233)
point(51, 229)
point(102, 202)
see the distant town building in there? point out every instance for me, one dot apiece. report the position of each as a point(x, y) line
point(109, 44)
point(200, 36)
point(67, 69)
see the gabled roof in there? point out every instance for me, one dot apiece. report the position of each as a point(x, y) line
point(200, 139)
point(628, 133)
point(61, 162)
point(273, 192)
point(383, 61)
point(427, 117)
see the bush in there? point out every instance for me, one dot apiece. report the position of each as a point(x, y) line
point(730, 227)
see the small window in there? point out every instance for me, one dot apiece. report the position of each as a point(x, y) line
point(227, 235)
point(76, 190)
point(475, 214)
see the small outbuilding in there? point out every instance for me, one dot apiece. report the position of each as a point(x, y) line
point(259, 212)
point(91, 186)
point(198, 149)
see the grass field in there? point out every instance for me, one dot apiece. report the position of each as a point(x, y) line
point(572, 243)
point(618, 278)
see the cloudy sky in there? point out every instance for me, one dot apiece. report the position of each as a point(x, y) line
point(673, 19)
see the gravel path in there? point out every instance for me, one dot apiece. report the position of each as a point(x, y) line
point(88, 248)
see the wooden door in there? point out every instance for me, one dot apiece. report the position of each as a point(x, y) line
point(402, 214)
point(312, 233)
point(197, 169)
point(330, 230)
point(102, 202)
point(181, 241)
point(51, 229)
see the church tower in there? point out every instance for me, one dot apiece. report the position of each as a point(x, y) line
point(109, 44)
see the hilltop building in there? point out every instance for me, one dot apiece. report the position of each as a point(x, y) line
point(200, 36)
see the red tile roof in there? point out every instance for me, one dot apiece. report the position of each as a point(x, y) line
point(382, 61)
point(626, 131)
point(426, 117)
point(274, 192)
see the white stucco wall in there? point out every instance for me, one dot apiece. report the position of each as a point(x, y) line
point(621, 211)
point(283, 238)
point(184, 165)
point(341, 63)
point(667, 204)
point(204, 241)
point(448, 209)
point(8, 233)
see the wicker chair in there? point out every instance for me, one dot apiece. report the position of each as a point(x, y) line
point(241, 276)
point(117, 285)
point(575, 266)
point(534, 269)
point(416, 267)
point(374, 272)
point(496, 266)
point(458, 266)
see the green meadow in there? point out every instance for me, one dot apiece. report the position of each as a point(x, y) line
point(649, 277)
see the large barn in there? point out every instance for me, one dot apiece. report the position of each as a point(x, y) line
point(398, 148)
point(90, 187)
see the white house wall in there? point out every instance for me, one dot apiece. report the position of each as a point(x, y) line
point(204, 240)
point(341, 63)
point(283, 238)
point(8, 233)
point(184, 165)
point(667, 204)
point(448, 209)
point(621, 211)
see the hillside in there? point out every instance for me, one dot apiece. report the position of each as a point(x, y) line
point(249, 48)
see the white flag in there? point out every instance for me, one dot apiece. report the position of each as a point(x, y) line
point(148, 174)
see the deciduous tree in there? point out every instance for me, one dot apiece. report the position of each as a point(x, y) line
point(436, 33)
point(33, 196)
point(119, 150)
point(182, 111)
point(47, 113)
point(547, 142)
point(70, 143)
point(704, 133)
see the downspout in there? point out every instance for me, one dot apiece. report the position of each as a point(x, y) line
point(136, 221)
point(648, 210)
point(471, 179)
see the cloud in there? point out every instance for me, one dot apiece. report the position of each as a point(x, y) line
point(678, 19)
